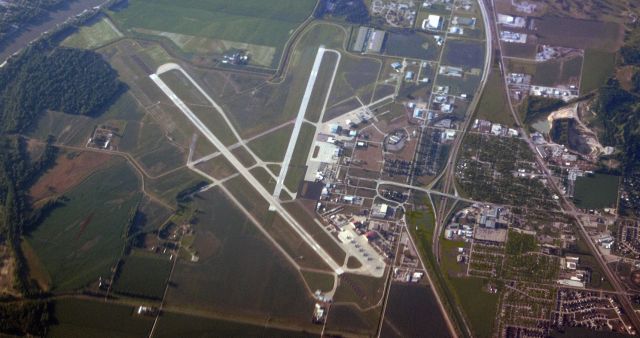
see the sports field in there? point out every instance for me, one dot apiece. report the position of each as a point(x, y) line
point(82, 239)
point(255, 22)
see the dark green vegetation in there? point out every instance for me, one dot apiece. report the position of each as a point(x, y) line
point(178, 325)
point(348, 10)
point(67, 80)
point(536, 107)
point(83, 237)
point(87, 318)
point(143, 275)
point(30, 317)
point(519, 243)
point(239, 272)
point(407, 308)
point(598, 66)
point(596, 191)
point(618, 115)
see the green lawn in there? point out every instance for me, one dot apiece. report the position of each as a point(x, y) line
point(94, 35)
point(598, 67)
point(271, 147)
point(143, 274)
point(82, 239)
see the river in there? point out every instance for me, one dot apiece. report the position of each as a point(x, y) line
point(21, 39)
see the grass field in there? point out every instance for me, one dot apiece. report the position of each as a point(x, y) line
point(413, 310)
point(493, 105)
point(480, 306)
point(179, 325)
point(605, 185)
point(143, 275)
point(271, 147)
point(600, 65)
point(412, 45)
point(97, 34)
point(86, 318)
point(245, 21)
point(82, 239)
point(321, 87)
point(238, 273)
point(298, 164)
point(318, 280)
point(464, 53)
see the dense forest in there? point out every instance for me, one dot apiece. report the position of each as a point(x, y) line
point(68, 80)
point(30, 317)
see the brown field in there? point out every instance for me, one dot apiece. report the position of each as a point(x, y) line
point(70, 169)
point(370, 156)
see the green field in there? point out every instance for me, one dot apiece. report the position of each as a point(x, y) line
point(596, 191)
point(479, 306)
point(599, 66)
point(318, 280)
point(143, 275)
point(239, 272)
point(493, 105)
point(82, 239)
point(255, 22)
point(85, 318)
point(298, 164)
point(178, 325)
point(271, 147)
point(97, 34)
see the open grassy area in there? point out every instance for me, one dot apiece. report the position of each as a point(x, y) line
point(246, 21)
point(599, 66)
point(96, 34)
point(83, 238)
point(239, 272)
point(272, 146)
point(88, 318)
point(318, 280)
point(480, 306)
point(493, 105)
point(143, 275)
point(606, 187)
point(464, 53)
point(180, 325)
point(298, 164)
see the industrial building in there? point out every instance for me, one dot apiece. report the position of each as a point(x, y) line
point(369, 40)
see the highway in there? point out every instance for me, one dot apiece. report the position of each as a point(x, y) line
point(566, 205)
point(275, 204)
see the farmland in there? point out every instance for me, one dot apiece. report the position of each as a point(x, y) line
point(253, 22)
point(143, 275)
point(83, 238)
point(238, 271)
point(88, 318)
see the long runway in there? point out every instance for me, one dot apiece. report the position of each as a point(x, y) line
point(298, 124)
point(224, 151)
